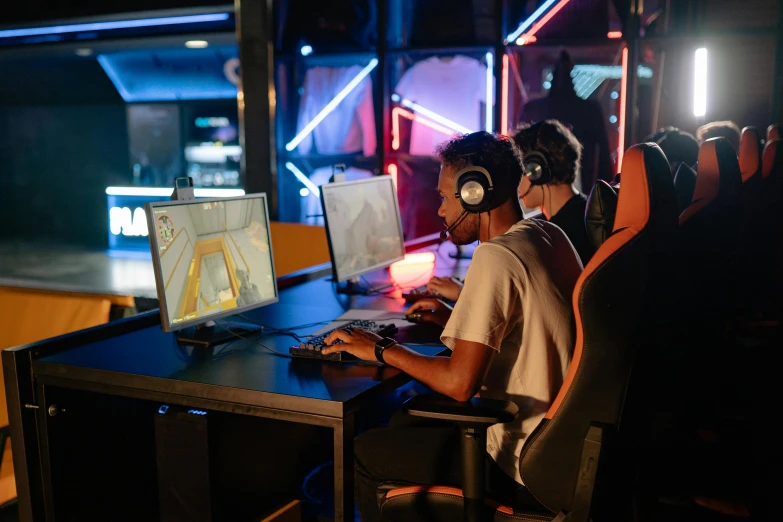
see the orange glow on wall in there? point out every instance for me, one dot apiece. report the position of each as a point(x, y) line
point(623, 100)
point(524, 40)
point(504, 98)
point(415, 270)
point(392, 170)
point(614, 34)
point(399, 111)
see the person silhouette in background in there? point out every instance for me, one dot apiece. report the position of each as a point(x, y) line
point(720, 129)
point(678, 146)
point(584, 117)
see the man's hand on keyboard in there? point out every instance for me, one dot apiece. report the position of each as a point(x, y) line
point(445, 287)
point(431, 311)
point(359, 343)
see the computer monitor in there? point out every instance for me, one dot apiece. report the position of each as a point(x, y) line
point(212, 258)
point(362, 225)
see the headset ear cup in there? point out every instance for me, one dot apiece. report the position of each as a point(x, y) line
point(535, 160)
point(474, 191)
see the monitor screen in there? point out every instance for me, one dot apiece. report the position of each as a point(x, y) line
point(363, 225)
point(212, 258)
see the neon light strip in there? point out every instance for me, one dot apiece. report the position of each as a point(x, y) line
point(614, 34)
point(435, 116)
point(331, 105)
point(119, 24)
point(700, 82)
point(541, 23)
point(527, 23)
point(489, 104)
point(393, 173)
point(623, 100)
point(166, 192)
point(504, 98)
point(399, 111)
point(304, 179)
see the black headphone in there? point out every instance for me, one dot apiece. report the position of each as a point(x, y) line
point(536, 162)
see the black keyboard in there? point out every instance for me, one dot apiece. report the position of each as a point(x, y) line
point(314, 346)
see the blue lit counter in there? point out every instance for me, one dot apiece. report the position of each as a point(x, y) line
point(128, 222)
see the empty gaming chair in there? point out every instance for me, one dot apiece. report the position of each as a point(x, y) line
point(599, 213)
point(560, 460)
point(773, 132)
point(684, 184)
point(771, 245)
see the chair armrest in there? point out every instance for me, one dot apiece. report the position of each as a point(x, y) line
point(476, 412)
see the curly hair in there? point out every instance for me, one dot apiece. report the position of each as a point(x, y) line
point(720, 129)
point(561, 147)
point(498, 154)
point(678, 146)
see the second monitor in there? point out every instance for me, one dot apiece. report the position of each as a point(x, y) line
point(363, 226)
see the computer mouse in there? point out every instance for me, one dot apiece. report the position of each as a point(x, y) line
point(415, 317)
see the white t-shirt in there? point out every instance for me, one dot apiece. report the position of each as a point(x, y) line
point(452, 89)
point(517, 301)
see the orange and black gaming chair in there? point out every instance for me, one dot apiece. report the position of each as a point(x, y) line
point(559, 462)
point(751, 198)
point(710, 230)
point(771, 249)
point(773, 132)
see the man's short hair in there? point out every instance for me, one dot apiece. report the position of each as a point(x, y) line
point(720, 129)
point(563, 150)
point(678, 146)
point(498, 154)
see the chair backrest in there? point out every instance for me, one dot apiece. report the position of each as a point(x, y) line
point(718, 178)
point(608, 300)
point(749, 153)
point(773, 132)
point(599, 213)
point(684, 185)
point(772, 159)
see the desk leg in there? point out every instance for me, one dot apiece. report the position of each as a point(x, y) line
point(343, 470)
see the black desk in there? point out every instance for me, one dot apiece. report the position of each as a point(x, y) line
point(135, 359)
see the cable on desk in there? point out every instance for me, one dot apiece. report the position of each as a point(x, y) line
point(262, 345)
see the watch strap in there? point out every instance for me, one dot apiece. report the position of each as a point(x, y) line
point(381, 347)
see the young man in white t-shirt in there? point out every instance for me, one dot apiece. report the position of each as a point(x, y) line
point(511, 333)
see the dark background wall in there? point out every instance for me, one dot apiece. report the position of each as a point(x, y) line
point(63, 140)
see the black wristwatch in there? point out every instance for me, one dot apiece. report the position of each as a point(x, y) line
point(381, 347)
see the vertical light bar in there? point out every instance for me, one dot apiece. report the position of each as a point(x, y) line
point(623, 100)
point(489, 104)
point(504, 97)
point(700, 83)
point(291, 145)
point(304, 179)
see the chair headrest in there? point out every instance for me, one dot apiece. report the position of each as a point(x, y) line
point(684, 185)
point(600, 212)
point(647, 191)
point(718, 171)
point(772, 159)
point(773, 132)
point(749, 153)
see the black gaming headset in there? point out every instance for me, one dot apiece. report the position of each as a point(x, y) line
point(537, 164)
point(475, 189)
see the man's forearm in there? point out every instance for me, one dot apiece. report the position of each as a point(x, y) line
point(435, 372)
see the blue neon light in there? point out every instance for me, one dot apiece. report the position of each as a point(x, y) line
point(331, 105)
point(530, 21)
point(304, 179)
point(119, 24)
point(306, 50)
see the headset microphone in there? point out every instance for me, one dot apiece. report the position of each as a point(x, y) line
point(444, 234)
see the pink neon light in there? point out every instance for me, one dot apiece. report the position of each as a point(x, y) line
point(414, 270)
point(621, 127)
point(614, 34)
point(504, 98)
point(543, 21)
point(399, 111)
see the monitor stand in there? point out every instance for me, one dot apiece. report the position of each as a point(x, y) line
point(209, 334)
point(352, 287)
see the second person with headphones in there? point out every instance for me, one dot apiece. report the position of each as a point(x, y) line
point(552, 158)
